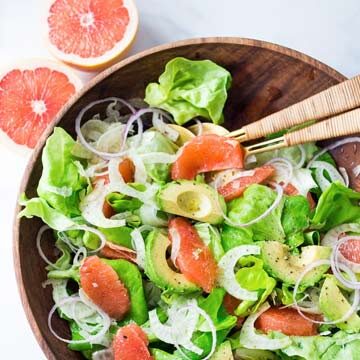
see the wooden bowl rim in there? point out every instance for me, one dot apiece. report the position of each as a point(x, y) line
point(98, 78)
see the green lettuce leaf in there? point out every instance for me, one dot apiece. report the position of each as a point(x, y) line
point(121, 202)
point(211, 237)
point(253, 277)
point(296, 214)
point(213, 305)
point(189, 88)
point(130, 275)
point(63, 269)
point(255, 201)
point(119, 236)
point(60, 184)
point(341, 346)
point(232, 237)
point(40, 208)
point(337, 205)
point(295, 219)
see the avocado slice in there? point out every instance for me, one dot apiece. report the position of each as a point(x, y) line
point(281, 264)
point(334, 305)
point(193, 200)
point(223, 352)
point(157, 268)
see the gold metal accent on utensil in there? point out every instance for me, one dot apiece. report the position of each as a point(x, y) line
point(344, 124)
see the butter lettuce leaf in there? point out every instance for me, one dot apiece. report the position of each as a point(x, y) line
point(232, 237)
point(213, 305)
point(61, 184)
point(253, 277)
point(255, 201)
point(190, 88)
point(40, 208)
point(337, 205)
point(131, 277)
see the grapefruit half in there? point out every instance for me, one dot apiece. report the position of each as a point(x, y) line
point(91, 34)
point(31, 94)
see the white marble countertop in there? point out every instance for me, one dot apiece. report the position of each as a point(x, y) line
point(324, 29)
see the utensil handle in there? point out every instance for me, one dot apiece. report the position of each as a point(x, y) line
point(332, 101)
point(341, 125)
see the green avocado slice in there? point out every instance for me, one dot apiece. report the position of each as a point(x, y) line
point(193, 200)
point(281, 264)
point(334, 306)
point(157, 268)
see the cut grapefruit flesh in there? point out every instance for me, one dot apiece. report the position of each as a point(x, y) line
point(131, 343)
point(102, 285)
point(91, 34)
point(351, 251)
point(31, 95)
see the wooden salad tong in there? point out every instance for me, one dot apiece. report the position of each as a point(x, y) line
point(339, 105)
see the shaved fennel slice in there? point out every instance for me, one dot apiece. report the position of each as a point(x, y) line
point(336, 266)
point(309, 268)
point(138, 244)
point(332, 146)
point(178, 330)
point(356, 170)
point(250, 339)
point(162, 127)
point(149, 216)
point(158, 158)
point(227, 278)
point(92, 207)
point(345, 176)
point(303, 181)
point(333, 173)
point(332, 236)
point(140, 175)
point(118, 182)
point(183, 318)
point(284, 170)
point(110, 141)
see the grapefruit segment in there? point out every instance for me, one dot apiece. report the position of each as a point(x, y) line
point(350, 250)
point(101, 284)
point(30, 97)
point(131, 343)
point(287, 321)
point(236, 188)
point(194, 258)
point(91, 34)
point(207, 153)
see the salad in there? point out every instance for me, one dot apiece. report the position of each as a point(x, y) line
point(173, 245)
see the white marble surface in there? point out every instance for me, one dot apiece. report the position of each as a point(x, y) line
point(325, 29)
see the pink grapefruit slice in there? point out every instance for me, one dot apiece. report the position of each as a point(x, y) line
point(30, 97)
point(91, 34)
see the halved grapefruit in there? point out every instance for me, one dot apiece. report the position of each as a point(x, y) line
point(91, 34)
point(31, 95)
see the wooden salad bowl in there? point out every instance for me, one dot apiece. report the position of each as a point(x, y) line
point(266, 78)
